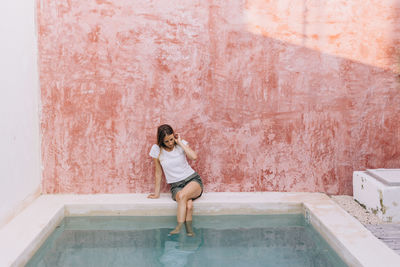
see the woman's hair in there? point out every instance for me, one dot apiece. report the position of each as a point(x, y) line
point(163, 131)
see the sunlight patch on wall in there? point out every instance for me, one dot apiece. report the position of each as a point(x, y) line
point(349, 29)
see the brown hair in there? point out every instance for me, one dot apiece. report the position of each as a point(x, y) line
point(163, 131)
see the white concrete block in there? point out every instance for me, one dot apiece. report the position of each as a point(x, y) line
point(379, 191)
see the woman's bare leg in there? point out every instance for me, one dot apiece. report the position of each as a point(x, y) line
point(191, 190)
point(188, 222)
point(189, 210)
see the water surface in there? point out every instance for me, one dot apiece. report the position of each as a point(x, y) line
point(224, 240)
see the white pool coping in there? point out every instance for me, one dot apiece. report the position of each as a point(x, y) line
point(22, 236)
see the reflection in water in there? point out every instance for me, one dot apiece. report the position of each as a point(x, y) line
point(177, 253)
point(290, 245)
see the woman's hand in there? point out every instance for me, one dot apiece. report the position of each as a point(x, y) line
point(178, 139)
point(153, 196)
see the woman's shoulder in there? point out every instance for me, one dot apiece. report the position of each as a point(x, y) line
point(155, 146)
point(179, 148)
point(154, 151)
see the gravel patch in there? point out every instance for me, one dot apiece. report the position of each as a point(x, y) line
point(356, 210)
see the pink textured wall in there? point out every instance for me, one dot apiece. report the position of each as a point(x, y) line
point(274, 95)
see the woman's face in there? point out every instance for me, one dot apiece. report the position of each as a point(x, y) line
point(169, 141)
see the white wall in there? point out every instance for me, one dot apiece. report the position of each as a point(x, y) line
point(20, 176)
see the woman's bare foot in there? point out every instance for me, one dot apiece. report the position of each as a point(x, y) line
point(189, 229)
point(177, 229)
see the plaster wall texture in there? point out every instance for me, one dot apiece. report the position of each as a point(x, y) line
point(20, 175)
point(273, 95)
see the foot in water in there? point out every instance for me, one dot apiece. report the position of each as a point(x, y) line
point(189, 229)
point(177, 229)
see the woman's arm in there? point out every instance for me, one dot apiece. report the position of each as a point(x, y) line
point(188, 151)
point(158, 174)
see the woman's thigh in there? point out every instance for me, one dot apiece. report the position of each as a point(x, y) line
point(191, 190)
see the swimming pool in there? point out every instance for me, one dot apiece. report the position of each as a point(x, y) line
point(23, 236)
point(220, 240)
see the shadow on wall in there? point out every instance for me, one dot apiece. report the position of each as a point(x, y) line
point(270, 103)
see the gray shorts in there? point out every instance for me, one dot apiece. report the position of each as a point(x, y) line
point(178, 186)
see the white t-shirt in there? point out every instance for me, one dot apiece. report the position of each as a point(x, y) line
point(174, 163)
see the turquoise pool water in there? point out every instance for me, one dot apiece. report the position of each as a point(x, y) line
point(224, 240)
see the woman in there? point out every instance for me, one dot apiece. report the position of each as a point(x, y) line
point(169, 155)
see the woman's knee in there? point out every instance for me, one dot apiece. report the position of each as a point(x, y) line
point(180, 196)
